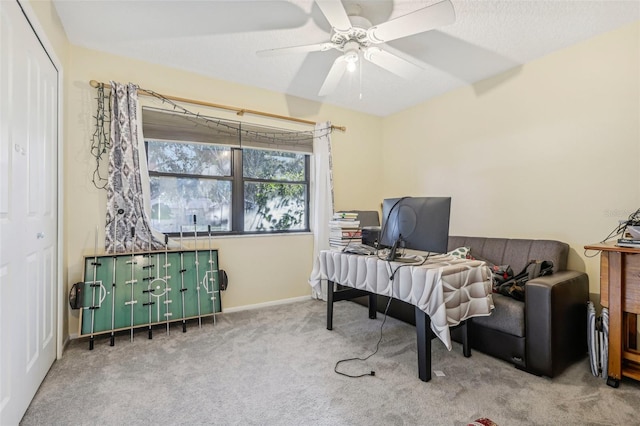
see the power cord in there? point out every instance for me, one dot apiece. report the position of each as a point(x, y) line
point(392, 273)
point(632, 220)
point(385, 223)
point(371, 373)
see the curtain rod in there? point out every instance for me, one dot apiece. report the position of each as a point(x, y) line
point(239, 111)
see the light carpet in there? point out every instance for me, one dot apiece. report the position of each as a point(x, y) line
point(274, 366)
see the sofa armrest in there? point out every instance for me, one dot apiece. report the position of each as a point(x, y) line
point(556, 321)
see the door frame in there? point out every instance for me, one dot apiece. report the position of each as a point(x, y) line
point(40, 32)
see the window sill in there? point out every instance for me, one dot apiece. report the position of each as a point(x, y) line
point(265, 235)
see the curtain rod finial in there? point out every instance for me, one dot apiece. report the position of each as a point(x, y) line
point(95, 83)
point(341, 128)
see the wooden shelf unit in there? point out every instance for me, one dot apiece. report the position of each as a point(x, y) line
point(620, 293)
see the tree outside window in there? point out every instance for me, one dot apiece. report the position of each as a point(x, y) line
point(206, 181)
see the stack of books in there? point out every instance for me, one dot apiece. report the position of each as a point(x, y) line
point(344, 229)
point(629, 242)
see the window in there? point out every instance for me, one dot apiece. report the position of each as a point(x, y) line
point(227, 187)
point(275, 187)
point(187, 180)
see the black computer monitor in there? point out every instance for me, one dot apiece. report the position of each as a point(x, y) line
point(418, 223)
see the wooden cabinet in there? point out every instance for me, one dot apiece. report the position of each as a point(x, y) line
point(620, 293)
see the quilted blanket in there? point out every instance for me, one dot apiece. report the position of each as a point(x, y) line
point(449, 289)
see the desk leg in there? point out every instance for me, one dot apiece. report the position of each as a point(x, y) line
point(373, 306)
point(466, 349)
point(329, 305)
point(423, 328)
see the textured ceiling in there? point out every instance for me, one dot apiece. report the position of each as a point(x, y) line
point(220, 39)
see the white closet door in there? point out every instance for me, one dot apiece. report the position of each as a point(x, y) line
point(28, 212)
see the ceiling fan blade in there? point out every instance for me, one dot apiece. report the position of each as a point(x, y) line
point(336, 15)
point(425, 19)
point(391, 62)
point(319, 47)
point(333, 78)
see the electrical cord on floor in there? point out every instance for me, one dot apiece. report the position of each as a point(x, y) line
point(392, 273)
point(371, 373)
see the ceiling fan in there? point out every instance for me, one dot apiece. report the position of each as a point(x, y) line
point(356, 37)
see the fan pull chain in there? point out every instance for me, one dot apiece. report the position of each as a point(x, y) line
point(360, 71)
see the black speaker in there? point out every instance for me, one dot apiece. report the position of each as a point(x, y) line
point(371, 236)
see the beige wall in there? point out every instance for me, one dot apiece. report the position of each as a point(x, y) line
point(550, 150)
point(48, 18)
point(261, 269)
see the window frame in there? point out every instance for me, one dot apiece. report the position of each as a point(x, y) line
point(238, 180)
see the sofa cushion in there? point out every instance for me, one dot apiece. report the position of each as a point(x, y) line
point(507, 317)
point(514, 252)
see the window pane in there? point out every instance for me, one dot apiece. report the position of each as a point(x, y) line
point(174, 201)
point(276, 165)
point(189, 158)
point(274, 206)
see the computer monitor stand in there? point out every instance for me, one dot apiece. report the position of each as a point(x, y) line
point(393, 255)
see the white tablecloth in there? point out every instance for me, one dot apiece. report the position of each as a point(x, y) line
point(449, 289)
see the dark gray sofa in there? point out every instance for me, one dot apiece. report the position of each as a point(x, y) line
point(542, 335)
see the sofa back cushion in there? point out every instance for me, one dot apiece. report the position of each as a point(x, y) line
point(514, 252)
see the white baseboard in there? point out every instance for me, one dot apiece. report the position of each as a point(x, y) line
point(74, 336)
point(266, 304)
point(65, 343)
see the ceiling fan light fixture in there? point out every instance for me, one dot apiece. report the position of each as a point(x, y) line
point(351, 55)
point(352, 60)
point(351, 66)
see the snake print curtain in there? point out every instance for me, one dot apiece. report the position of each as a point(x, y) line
point(125, 206)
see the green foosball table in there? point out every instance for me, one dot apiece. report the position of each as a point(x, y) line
point(135, 290)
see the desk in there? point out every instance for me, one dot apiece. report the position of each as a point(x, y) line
point(446, 291)
point(620, 293)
